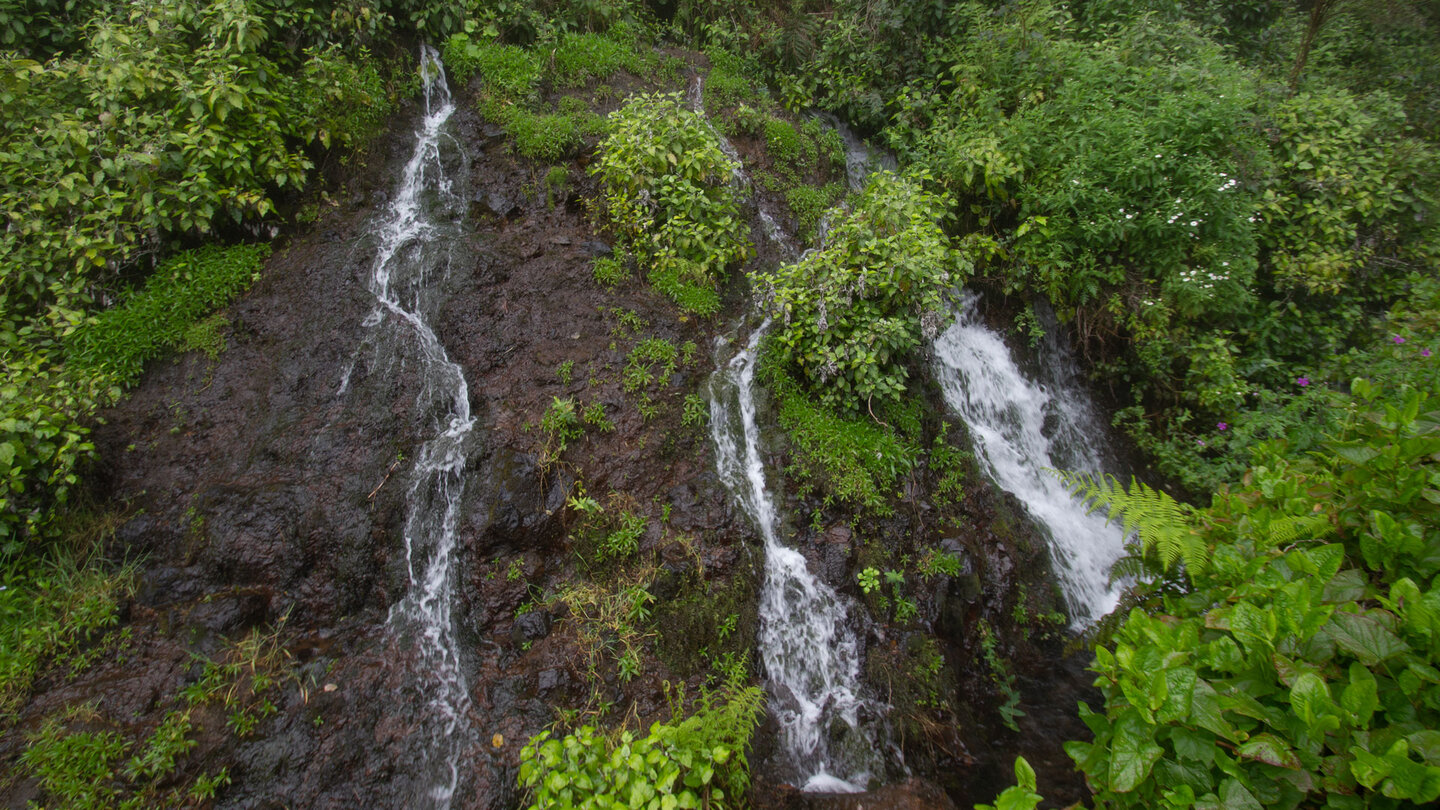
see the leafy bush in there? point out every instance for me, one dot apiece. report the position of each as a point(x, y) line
point(44, 406)
point(808, 205)
point(610, 272)
point(1296, 671)
point(1350, 191)
point(852, 311)
point(666, 192)
point(581, 58)
point(544, 138)
point(168, 121)
point(697, 761)
point(152, 123)
point(506, 71)
point(731, 80)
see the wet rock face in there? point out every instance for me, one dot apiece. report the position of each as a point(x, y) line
point(272, 484)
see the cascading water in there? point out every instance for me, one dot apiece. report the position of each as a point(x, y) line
point(860, 158)
point(773, 231)
point(810, 654)
point(415, 237)
point(1022, 426)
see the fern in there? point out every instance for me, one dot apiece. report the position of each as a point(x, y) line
point(1164, 525)
point(1286, 528)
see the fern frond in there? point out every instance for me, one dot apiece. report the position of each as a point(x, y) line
point(1164, 525)
point(1129, 567)
point(1286, 528)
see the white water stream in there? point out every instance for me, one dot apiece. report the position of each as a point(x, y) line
point(415, 237)
point(1022, 425)
point(811, 655)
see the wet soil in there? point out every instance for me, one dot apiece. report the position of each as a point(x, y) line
point(267, 490)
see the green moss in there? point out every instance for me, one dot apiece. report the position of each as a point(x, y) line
point(854, 459)
point(164, 313)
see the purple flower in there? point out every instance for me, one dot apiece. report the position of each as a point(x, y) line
point(1424, 352)
point(1221, 426)
point(1398, 340)
point(1302, 381)
point(1200, 442)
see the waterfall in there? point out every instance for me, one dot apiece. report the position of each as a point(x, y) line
point(860, 158)
point(1020, 427)
point(415, 236)
point(811, 656)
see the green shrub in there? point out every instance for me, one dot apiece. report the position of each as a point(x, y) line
point(651, 360)
point(697, 761)
point(544, 138)
point(854, 310)
point(732, 80)
point(1300, 668)
point(1351, 191)
point(559, 426)
point(808, 205)
point(782, 140)
point(581, 58)
point(45, 406)
point(624, 539)
point(666, 192)
point(506, 71)
point(348, 99)
point(609, 272)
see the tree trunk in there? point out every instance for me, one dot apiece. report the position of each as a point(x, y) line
point(1320, 13)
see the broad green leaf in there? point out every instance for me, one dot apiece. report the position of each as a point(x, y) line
point(1133, 752)
point(1361, 696)
point(1271, 750)
point(1191, 744)
point(1310, 698)
point(1236, 797)
point(1364, 637)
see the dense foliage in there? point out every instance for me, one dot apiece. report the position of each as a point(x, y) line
point(149, 124)
point(668, 196)
point(1231, 205)
point(696, 762)
point(852, 312)
point(1300, 665)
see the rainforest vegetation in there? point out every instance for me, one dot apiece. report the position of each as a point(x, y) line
point(1231, 208)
